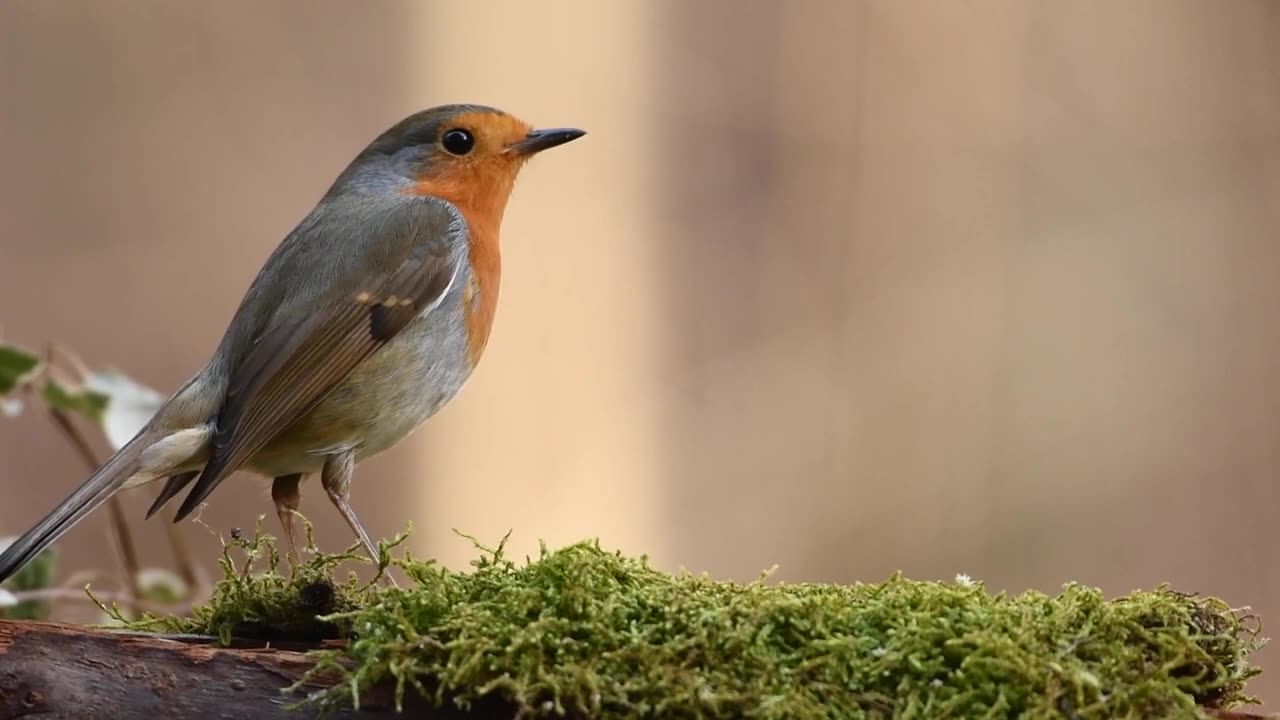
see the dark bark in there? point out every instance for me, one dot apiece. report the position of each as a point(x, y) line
point(50, 671)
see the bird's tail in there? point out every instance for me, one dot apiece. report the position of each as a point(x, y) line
point(96, 490)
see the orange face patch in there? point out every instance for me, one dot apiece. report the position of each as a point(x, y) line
point(494, 132)
point(478, 184)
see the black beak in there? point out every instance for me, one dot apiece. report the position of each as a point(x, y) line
point(538, 140)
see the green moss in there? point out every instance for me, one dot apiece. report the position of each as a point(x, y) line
point(582, 632)
point(257, 600)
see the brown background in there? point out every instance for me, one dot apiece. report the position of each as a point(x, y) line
point(850, 287)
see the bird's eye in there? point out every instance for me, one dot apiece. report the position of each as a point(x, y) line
point(458, 141)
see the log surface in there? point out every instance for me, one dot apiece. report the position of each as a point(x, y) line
point(51, 671)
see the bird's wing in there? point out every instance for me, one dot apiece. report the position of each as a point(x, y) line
point(385, 278)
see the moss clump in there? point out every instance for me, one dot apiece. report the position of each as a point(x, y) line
point(254, 600)
point(581, 632)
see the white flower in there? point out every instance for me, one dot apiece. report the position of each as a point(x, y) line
point(129, 406)
point(965, 580)
point(10, 406)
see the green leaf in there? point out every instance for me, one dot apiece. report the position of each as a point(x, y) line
point(36, 575)
point(15, 363)
point(90, 403)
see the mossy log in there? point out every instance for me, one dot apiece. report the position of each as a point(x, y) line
point(580, 633)
point(54, 671)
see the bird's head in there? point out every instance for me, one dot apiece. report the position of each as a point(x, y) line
point(467, 154)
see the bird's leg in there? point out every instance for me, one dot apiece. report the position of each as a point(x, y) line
point(287, 497)
point(336, 478)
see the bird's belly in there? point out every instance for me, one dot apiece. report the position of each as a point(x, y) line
point(384, 399)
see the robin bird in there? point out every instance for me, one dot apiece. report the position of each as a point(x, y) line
point(367, 319)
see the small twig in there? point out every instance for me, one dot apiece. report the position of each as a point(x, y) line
point(60, 593)
point(120, 529)
point(127, 553)
point(55, 355)
point(177, 543)
point(80, 578)
point(56, 350)
point(123, 538)
point(182, 556)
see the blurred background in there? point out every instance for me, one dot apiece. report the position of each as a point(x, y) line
point(849, 287)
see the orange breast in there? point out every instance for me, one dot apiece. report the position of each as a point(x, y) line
point(482, 199)
point(481, 297)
